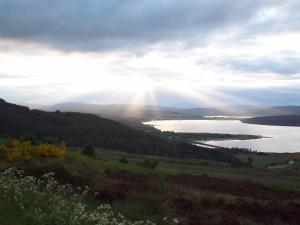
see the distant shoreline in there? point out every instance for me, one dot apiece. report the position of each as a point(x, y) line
point(209, 136)
point(285, 121)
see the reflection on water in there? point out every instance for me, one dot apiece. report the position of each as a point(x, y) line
point(282, 139)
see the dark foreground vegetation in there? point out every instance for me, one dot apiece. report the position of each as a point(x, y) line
point(288, 120)
point(78, 129)
point(187, 192)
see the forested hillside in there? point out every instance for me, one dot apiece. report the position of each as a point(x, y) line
point(289, 120)
point(78, 129)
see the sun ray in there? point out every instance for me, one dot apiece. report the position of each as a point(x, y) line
point(211, 98)
point(142, 95)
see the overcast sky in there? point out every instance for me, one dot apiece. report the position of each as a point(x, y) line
point(170, 52)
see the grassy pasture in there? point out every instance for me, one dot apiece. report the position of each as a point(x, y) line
point(278, 179)
point(261, 161)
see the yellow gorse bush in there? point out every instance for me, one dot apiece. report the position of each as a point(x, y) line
point(24, 150)
point(49, 150)
point(19, 150)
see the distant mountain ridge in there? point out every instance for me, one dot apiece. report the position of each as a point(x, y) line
point(140, 112)
point(279, 111)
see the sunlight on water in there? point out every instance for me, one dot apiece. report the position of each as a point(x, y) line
point(281, 139)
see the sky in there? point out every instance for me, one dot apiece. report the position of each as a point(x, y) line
point(183, 53)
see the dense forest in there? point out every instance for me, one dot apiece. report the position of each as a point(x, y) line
point(78, 129)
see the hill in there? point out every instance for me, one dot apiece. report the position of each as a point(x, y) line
point(289, 120)
point(278, 111)
point(78, 129)
point(138, 112)
point(149, 112)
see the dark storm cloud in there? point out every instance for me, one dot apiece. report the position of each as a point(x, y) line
point(91, 25)
point(284, 66)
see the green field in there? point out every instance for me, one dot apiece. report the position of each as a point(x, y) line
point(278, 178)
point(287, 179)
point(262, 161)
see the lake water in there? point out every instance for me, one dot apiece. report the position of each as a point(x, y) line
point(280, 138)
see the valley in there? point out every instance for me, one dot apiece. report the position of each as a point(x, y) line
point(124, 112)
point(144, 172)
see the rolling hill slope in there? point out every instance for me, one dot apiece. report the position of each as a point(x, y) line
point(78, 129)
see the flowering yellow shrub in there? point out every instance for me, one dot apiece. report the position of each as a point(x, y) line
point(48, 150)
point(18, 150)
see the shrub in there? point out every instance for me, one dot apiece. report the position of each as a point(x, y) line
point(150, 163)
point(48, 150)
point(124, 160)
point(250, 161)
point(2, 151)
point(48, 140)
point(30, 137)
point(24, 150)
point(89, 151)
point(16, 150)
